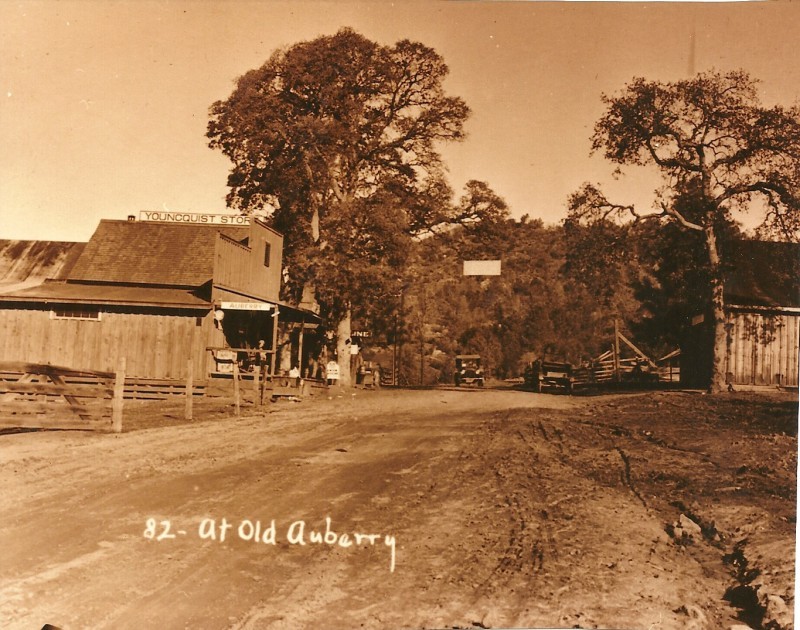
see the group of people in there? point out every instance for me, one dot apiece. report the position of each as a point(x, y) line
point(319, 368)
point(325, 367)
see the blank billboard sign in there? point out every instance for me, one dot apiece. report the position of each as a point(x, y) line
point(481, 267)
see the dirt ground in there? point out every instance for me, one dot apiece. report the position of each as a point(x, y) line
point(435, 508)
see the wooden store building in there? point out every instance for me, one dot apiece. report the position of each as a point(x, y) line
point(159, 294)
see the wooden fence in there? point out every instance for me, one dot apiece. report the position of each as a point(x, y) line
point(47, 396)
point(256, 387)
point(605, 370)
point(613, 367)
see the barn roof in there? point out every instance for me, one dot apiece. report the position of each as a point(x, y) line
point(140, 252)
point(762, 273)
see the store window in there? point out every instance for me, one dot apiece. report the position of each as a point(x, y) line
point(84, 314)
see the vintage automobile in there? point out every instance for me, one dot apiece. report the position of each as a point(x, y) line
point(468, 370)
point(543, 374)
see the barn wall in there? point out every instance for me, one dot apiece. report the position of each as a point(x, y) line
point(155, 345)
point(763, 348)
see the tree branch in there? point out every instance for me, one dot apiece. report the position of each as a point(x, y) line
point(672, 212)
point(764, 187)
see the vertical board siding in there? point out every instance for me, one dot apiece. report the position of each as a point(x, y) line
point(232, 268)
point(242, 268)
point(763, 348)
point(155, 346)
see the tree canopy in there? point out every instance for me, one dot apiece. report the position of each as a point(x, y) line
point(338, 139)
point(711, 130)
point(717, 148)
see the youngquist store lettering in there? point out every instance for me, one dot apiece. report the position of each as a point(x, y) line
point(192, 217)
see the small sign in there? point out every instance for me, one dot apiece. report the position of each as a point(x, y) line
point(246, 306)
point(361, 333)
point(193, 218)
point(482, 267)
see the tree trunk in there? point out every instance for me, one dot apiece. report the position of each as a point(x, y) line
point(343, 349)
point(309, 297)
point(720, 347)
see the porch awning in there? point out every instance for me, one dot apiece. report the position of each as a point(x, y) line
point(228, 300)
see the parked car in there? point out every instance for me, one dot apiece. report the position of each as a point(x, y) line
point(468, 370)
point(543, 374)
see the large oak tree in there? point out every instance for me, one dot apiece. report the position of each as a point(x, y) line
point(337, 138)
point(713, 141)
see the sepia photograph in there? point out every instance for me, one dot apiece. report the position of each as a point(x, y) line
point(415, 315)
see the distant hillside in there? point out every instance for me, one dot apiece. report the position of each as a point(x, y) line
point(28, 263)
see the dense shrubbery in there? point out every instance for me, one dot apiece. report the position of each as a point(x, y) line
point(560, 291)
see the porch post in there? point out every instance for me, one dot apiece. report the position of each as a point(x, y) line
point(300, 347)
point(274, 341)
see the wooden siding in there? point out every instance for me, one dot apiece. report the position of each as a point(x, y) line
point(242, 268)
point(232, 264)
point(763, 348)
point(155, 345)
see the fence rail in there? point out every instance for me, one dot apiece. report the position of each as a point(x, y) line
point(49, 396)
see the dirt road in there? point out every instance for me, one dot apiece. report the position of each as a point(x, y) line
point(400, 509)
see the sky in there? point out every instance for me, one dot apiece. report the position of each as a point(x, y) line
point(105, 103)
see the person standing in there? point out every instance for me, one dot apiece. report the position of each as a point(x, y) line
point(355, 360)
point(261, 358)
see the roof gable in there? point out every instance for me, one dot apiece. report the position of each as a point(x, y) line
point(165, 254)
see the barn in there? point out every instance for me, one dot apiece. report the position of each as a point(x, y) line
point(762, 317)
point(762, 295)
point(161, 294)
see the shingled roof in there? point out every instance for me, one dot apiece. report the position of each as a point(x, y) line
point(163, 254)
point(60, 293)
point(762, 273)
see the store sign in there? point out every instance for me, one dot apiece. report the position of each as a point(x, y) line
point(361, 333)
point(245, 306)
point(193, 217)
point(482, 267)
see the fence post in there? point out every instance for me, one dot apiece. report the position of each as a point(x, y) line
point(616, 352)
point(189, 388)
point(236, 401)
point(119, 394)
point(256, 388)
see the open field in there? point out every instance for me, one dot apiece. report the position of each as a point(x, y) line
point(461, 508)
